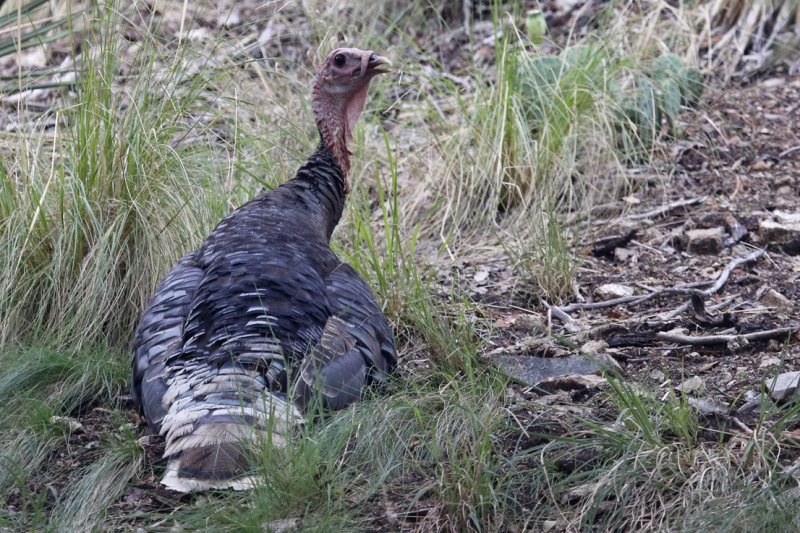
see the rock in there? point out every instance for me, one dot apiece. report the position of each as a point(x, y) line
point(572, 381)
point(737, 343)
point(704, 241)
point(622, 255)
point(690, 385)
point(610, 291)
point(535, 370)
point(707, 407)
point(596, 351)
point(773, 298)
point(657, 375)
point(784, 385)
point(769, 361)
point(73, 425)
point(783, 227)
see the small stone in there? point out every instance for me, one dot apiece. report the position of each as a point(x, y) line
point(622, 255)
point(784, 385)
point(594, 347)
point(610, 291)
point(705, 241)
point(769, 361)
point(657, 375)
point(73, 425)
point(773, 298)
point(690, 385)
point(774, 345)
point(781, 228)
point(737, 343)
point(707, 407)
point(547, 525)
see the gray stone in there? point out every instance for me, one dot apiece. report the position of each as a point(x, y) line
point(781, 228)
point(610, 291)
point(773, 298)
point(534, 370)
point(623, 254)
point(690, 385)
point(705, 241)
point(784, 385)
point(707, 407)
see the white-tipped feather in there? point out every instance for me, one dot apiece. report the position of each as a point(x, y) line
point(172, 480)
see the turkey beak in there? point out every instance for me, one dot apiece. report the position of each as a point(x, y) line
point(370, 66)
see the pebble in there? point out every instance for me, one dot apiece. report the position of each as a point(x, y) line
point(784, 385)
point(692, 384)
point(705, 241)
point(610, 291)
point(773, 298)
point(781, 228)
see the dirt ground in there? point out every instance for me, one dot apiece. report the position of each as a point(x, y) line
point(739, 160)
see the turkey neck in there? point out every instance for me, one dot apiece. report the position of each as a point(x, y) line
point(334, 130)
point(319, 185)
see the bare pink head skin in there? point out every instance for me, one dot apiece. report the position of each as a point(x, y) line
point(340, 91)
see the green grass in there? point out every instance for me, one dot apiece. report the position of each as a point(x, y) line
point(155, 141)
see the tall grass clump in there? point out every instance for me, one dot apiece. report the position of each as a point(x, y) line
point(551, 137)
point(38, 388)
point(95, 209)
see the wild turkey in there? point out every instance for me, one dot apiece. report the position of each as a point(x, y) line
point(244, 333)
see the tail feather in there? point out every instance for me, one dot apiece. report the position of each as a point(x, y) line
point(212, 430)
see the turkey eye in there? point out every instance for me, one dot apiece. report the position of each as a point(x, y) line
point(339, 60)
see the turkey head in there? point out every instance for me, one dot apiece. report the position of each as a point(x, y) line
point(340, 91)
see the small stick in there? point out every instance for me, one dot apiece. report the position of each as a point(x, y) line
point(667, 208)
point(558, 313)
point(720, 281)
point(723, 277)
point(722, 339)
point(742, 425)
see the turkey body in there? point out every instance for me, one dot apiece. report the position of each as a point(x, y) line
point(244, 334)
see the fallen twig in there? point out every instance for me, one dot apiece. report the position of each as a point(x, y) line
point(664, 209)
point(720, 281)
point(742, 425)
point(723, 339)
point(562, 313)
point(726, 272)
point(565, 319)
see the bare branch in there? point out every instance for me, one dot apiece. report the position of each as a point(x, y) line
point(723, 339)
